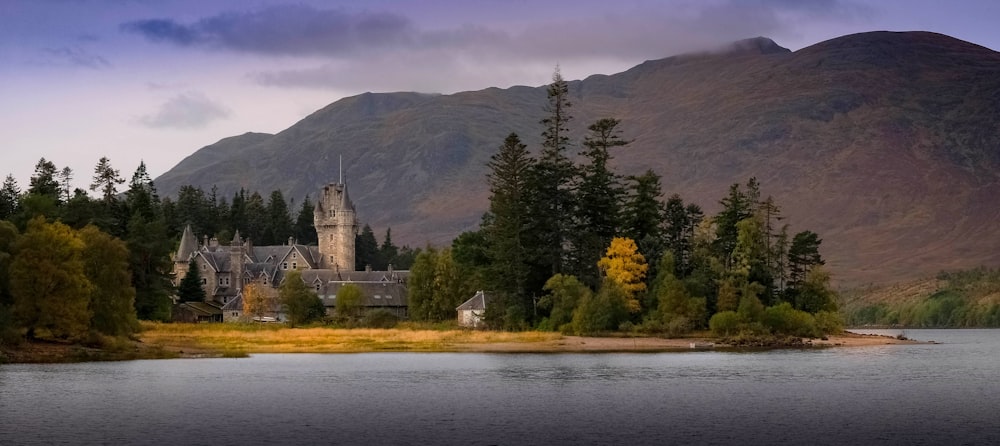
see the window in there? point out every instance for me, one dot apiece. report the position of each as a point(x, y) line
point(295, 255)
point(204, 281)
point(265, 280)
point(294, 266)
point(317, 287)
point(331, 237)
point(284, 265)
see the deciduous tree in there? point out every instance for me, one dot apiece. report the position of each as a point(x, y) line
point(626, 267)
point(112, 297)
point(301, 303)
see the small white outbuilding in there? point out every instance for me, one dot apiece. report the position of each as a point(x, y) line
point(471, 313)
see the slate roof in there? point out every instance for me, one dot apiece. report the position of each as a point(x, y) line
point(476, 303)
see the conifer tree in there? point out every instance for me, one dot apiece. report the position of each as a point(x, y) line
point(505, 226)
point(189, 289)
point(44, 181)
point(278, 226)
point(366, 250)
point(10, 197)
point(305, 229)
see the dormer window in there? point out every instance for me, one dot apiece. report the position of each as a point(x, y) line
point(317, 287)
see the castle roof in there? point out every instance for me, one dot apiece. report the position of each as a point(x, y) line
point(188, 246)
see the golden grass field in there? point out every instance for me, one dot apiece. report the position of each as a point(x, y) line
point(237, 339)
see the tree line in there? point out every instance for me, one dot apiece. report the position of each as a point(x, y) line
point(575, 246)
point(148, 229)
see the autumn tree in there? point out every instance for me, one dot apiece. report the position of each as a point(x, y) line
point(48, 283)
point(301, 303)
point(112, 297)
point(257, 302)
point(624, 266)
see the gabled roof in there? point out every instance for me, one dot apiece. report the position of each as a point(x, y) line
point(476, 303)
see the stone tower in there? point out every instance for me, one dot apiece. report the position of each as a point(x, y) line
point(336, 226)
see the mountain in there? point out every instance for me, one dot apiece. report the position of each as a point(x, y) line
point(887, 144)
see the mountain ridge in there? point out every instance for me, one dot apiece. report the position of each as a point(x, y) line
point(884, 143)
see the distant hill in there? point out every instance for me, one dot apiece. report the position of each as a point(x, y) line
point(886, 144)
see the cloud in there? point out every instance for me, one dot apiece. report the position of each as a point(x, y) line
point(186, 111)
point(74, 56)
point(284, 30)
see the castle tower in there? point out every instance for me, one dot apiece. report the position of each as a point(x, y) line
point(336, 226)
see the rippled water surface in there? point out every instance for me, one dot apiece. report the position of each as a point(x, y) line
point(946, 393)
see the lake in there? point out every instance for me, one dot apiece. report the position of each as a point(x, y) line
point(947, 393)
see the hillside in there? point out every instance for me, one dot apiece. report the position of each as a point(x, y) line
point(886, 144)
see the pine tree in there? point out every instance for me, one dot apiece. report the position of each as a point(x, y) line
point(305, 229)
point(599, 194)
point(44, 181)
point(189, 289)
point(387, 252)
point(10, 197)
point(505, 226)
point(106, 179)
point(366, 250)
point(550, 180)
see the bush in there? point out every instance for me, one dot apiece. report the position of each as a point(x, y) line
point(724, 323)
point(380, 319)
point(783, 319)
point(828, 322)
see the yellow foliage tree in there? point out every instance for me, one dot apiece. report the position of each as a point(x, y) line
point(256, 302)
point(624, 265)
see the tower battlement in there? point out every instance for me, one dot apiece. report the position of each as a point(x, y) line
point(336, 226)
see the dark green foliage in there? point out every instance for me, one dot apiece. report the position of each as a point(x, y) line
point(599, 193)
point(278, 223)
point(437, 286)
point(106, 180)
point(565, 294)
point(44, 181)
point(301, 303)
point(803, 255)
point(10, 197)
point(305, 231)
point(387, 252)
point(602, 311)
point(379, 319)
point(679, 223)
point(190, 287)
point(149, 261)
point(349, 299)
point(504, 227)
point(365, 249)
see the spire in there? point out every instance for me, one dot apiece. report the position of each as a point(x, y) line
point(345, 201)
point(187, 247)
point(236, 239)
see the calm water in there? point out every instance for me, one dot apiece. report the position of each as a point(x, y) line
point(922, 394)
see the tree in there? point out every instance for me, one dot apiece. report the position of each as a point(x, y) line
point(420, 285)
point(565, 294)
point(679, 225)
point(349, 301)
point(112, 297)
point(602, 311)
point(550, 182)
point(814, 293)
point(256, 302)
point(48, 283)
point(301, 303)
point(44, 181)
point(106, 179)
point(278, 226)
point(387, 252)
point(255, 211)
point(305, 230)
point(365, 249)
point(642, 213)
point(504, 227)
point(189, 289)
point(624, 266)
point(598, 198)
point(803, 255)
point(149, 260)
point(736, 207)
point(676, 308)
point(10, 197)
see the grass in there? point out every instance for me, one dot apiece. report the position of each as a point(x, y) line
point(238, 340)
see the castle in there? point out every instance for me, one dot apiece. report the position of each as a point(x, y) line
point(226, 270)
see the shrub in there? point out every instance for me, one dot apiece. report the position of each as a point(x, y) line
point(829, 322)
point(380, 319)
point(783, 319)
point(724, 323)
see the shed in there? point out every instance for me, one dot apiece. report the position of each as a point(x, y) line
point(471, 313)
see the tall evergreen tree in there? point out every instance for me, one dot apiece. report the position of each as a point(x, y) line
point(65, 186)
point(255, 219)
point(106, 180)
point(505, 226)
point(10, 198)
point(550, 180)
point(278, 225)
point(642, 213)
point(305, 229)
point(44, 181)
point(366, 250)
point(679, 224)
point(189, 289)
point(388, 251)
point(599, 194)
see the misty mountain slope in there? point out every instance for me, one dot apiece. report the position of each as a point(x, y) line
point(886, 144)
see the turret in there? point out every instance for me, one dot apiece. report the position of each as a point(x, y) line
point(336, 226)
point(236, 260)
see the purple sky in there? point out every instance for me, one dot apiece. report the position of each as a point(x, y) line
point(156, 80)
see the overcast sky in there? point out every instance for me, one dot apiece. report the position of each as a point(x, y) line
point(156, 80)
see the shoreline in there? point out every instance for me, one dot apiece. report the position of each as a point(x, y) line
point(369, 341)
